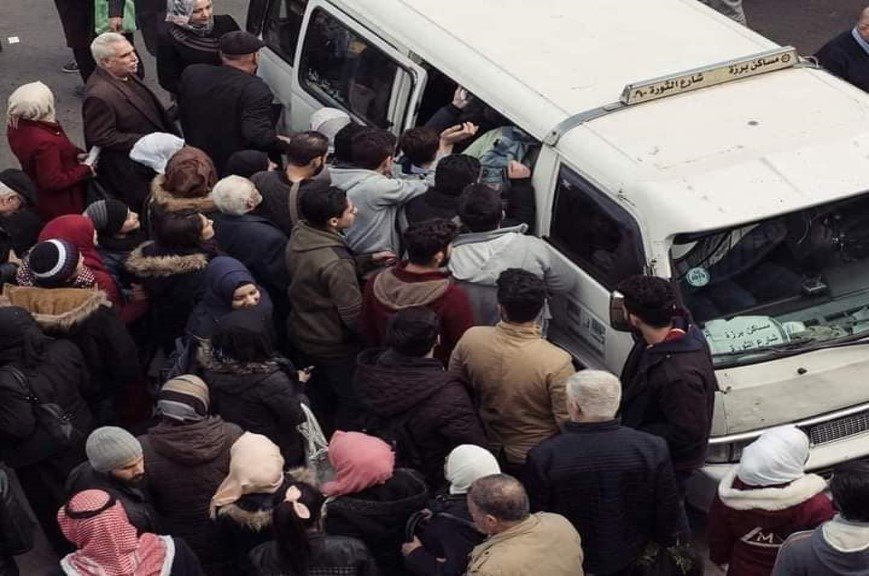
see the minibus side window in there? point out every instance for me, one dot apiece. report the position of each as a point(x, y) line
point(282, 25)
point(340, 67)
point(595, 232)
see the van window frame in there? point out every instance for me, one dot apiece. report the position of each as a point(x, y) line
point(263, 26)
point(369, 38)
point(625, 221)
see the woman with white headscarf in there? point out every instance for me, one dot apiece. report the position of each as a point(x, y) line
point(192, 35)
point(48, 157)
point(763, 500)
point(449, 532)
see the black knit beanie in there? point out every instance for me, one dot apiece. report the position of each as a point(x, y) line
point(107, 215)
point(53, 262)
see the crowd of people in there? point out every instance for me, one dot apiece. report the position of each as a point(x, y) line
point(243, 352)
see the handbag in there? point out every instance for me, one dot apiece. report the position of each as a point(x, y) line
point(101, 17)
point(50, 416)
point(678, 560)
point(316, 447)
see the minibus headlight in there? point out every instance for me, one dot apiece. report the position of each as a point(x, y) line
point(727, 452)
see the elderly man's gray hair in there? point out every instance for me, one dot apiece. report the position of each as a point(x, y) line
point(596, 392)
point(235, 195)
point(501, 496)
point(103, 45)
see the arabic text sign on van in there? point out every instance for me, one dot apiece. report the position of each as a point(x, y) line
point(710, 75)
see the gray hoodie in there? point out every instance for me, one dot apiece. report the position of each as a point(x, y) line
point(836, 548)
point(478, 258)
point(378, 199)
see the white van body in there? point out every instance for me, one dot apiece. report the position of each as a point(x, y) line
point(718, 158)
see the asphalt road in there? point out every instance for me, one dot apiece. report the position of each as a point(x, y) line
point(41, 51)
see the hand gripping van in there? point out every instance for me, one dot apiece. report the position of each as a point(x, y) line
point(672, 141)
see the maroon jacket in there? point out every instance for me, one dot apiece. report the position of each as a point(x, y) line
point(747, 525)
point(51, 161)
point(396, 288)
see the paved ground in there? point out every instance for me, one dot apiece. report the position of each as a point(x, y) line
point(41, 51)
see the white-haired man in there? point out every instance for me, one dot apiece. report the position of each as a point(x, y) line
point(847, 55)
point(118, 110)
point(615, 484)
point(254, 240)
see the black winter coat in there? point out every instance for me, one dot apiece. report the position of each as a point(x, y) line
point(173, 56)
point(450, 534)
point(136, 500)
point(185, 464)
point(669, 391)
point(86, 318)
point(174, 283)
point(60, 377)
point(224, 110)
point(330, 556)
point(437, 408)
point(846, 59)
point(259, 245)
point(16, 527)
point(378, 515)
point(432, 204)
point(261, 398)
point(614, 484)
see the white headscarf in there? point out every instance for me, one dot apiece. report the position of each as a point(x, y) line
point(329, 121)
point(32, 101)
point(155, 150)
point(467, 463)
point(777, 457)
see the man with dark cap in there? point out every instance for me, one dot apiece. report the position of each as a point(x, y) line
point(115, 464)
point(19, 223)
point(228, 108)
point(668, 379)
point(187, 456)
point(118, 233)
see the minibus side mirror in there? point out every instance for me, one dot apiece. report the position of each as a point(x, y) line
point(618, 313)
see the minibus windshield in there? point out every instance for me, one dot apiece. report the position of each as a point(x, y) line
point(783, 285)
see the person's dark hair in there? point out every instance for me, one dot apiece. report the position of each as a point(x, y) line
point(455, 172)
point(480, 208)
point(420, 144)
point(291, 532)
point(371, 147)
point(243, 336)
point(343, 141)
point(649, 297)
point(850, 489)
point(425, 239)
point(320, 202)
point(177, 230)
point(501, 496)
point(305, 146)
point(412, 331)
point(521, 294)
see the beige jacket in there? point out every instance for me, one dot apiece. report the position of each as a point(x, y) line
point(545, 544)
point(518, 383)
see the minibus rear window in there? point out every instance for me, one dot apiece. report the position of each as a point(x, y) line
point(339, 66)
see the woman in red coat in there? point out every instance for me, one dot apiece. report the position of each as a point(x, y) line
point(45, 153)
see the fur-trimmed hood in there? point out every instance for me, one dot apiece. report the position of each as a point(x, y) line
point(144, 263)
point(770, 499)
point(171, 203)
point(255, 521)
point(56, 309)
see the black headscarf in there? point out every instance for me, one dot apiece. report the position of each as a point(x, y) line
point(243, 336)
point(21, 339)
point(246, 163)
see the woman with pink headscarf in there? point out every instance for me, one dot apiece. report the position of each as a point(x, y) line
point(106, 543)
point(369, 498)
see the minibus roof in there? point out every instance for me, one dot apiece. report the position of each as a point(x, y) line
point(716, 157)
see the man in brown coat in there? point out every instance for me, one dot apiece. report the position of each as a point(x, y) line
point(518, 377)
point(118, 110)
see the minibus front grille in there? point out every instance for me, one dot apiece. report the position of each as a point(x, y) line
point(839, 428)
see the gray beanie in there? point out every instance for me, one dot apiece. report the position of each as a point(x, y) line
point(110, 447)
